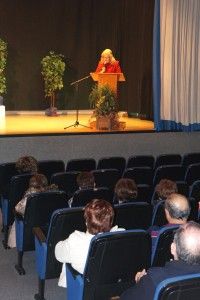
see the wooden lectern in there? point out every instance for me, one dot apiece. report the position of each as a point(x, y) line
point(110, 79)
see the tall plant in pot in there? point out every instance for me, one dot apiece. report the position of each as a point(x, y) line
point(53, 68)
point(104, 101)
point(3, 62)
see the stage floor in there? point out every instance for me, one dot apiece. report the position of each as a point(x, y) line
point(38, 123)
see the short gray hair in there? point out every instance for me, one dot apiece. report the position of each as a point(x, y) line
point(174, 210)
point(186, 252)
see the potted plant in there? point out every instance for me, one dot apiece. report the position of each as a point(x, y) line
point(104, 101)
point(3, 62)
point(53, 68)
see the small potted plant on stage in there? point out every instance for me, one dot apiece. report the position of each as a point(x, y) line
point(53, 68)
point(103, 99)
point(3, 62)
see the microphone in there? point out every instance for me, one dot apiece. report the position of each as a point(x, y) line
point(103, 69)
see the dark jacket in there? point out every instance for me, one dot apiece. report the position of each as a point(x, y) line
point(146, 287)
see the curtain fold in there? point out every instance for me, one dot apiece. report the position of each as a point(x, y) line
point(177, 98)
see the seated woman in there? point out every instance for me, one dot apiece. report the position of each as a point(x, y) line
point(107, 63)
point(27, 164)
point(125, 191)
point(98, 216)
point(163, 189)
point(38, 183)
point(85, 180)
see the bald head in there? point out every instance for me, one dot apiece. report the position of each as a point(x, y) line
point(187, 243)
point(177, 207)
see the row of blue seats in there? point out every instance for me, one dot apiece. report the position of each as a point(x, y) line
point(66, 181)
point(135, 217)
point(40, 206)
point(119, 163)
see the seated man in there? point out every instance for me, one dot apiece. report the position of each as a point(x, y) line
point(177, 211)
point(186, 251)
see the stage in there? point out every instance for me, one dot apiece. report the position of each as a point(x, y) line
point(37, 123)
point(25, 133)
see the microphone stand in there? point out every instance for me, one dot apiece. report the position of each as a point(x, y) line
point(76, 123)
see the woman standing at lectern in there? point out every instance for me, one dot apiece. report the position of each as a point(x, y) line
point(108, 64)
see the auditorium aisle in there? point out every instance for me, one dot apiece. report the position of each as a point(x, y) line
point(16, 287)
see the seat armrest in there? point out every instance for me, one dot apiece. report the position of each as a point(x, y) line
point(37, 231)
point(73, 271)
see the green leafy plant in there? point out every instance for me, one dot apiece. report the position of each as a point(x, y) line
point(103, 99)
point(3, 62)
point(53, 68)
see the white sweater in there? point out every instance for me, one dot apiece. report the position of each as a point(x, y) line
point(74, 250)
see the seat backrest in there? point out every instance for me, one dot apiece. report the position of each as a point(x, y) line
point(83, 164)
point(18, 185)
point(167, 159)
point(49, 167)
point(144, 193)
point(192, 173)
point(63, 223)
point(66, 181)
point(182, 287)
point(172, 172)
point(159, 218)
point(114, 162)
point(195, 190)
point(112, 262)
point(161, 251)
point(194, 213)
point(183, 188)
point(141, 175)
point(135, 215)
point(141, 161)
point(84, 196)
point(190, 158)
point(7, 171)
point(39, 209)
point(106, 178)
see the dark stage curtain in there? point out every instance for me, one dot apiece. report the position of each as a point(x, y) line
point(79, 29)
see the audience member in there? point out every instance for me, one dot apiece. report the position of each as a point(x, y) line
point(125, 191)
point(98, 216)
point(85, 180)
point(164, 189)
point(177, 211)
point(186, 251)
point(27, 164)
point(38, 183)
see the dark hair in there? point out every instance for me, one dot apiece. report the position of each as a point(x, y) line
point(85, 180)
point(185, 251)
point(98, 216)
point(126, 189)
point(165, 188)
point(175, 211)
point(27, 164)
point(38, 181)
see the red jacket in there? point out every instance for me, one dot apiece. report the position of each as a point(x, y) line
point(109, 68)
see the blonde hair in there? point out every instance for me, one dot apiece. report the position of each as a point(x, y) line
point(109, 53)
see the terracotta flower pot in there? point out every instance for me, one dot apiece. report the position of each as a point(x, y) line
point(103, 123)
